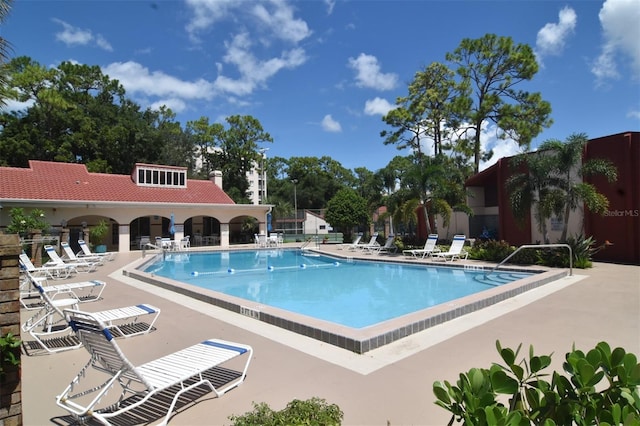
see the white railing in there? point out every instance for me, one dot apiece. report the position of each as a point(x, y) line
point(536, 246)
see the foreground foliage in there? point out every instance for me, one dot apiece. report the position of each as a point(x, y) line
point(314, 411)
point(9, 352)
point(582, 248)
point(579, 398)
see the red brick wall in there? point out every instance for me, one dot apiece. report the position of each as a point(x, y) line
point(10, 386)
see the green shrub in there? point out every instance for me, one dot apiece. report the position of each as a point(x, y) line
point(314, 411)
point(579, 399)
point(583, 248)
point(9, 352)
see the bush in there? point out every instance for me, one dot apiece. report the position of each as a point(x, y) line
point(9, 352)
point(578, 399)
point(314, 411)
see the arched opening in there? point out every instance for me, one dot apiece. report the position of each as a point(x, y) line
point(242, 229)
point(203, 230)
point(80, 229)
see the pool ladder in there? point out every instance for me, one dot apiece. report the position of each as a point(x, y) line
point(309, 241)
point(536, 246)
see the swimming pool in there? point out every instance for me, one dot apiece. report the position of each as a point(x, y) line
point(355, 304)
point(354, 294)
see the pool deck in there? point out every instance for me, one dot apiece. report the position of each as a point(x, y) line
point(389, 385)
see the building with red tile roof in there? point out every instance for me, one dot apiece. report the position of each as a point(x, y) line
point(136, 205)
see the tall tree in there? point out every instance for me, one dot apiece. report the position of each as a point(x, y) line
point(534, 188)
point(425, 113)
point(203, 136)
point(346, 210)
point(238, 153)
point(490, 67)
point(5, 8)
point(570, 170)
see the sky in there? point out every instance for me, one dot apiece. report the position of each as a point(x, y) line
point(320, 74)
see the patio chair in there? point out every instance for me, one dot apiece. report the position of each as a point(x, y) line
point(185, 243)
point(84, 291)
point(388, 247)
point(51, 330)
point(352, 245)
point(54, 272)
point(70, 256)
point(430, 247)
point(153, 387)
point(80, 265)
point(372, 244)
point(145, 242)
point(86, 252)
point(455, 250)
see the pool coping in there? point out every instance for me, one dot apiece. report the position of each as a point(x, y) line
point(364, 339)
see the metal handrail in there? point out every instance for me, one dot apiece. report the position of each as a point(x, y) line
point(536, 246)
point(310, 240)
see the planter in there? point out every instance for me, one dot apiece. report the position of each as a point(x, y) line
point(101, 248)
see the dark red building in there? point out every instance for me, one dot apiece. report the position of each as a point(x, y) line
point(620, 225)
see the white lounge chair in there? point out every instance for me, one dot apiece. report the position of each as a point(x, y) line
point(48, 271)
point(86, 251)
point(80, 265)
point(185, 243)
point(455, 251)
point(352, 245)
point(84, 291)
point(430, 247)
point(51, 330)
point(70, 256)
point(371, 245)
point(151, 387)
point(388, 247)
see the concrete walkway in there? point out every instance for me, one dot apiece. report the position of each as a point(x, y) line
point(390, 385)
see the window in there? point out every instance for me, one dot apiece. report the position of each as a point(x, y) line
point(157, 176)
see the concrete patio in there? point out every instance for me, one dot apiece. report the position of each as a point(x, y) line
point(389, 385)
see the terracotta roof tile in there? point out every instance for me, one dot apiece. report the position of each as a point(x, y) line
point(45, 180)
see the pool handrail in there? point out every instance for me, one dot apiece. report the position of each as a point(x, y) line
point(524, 246)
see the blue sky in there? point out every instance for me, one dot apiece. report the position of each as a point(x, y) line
point(319, 75)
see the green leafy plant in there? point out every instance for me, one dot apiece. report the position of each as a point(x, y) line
point(583, 249)
point(98, 232)
point(579, 399)
point(22, 223)
point(314, 411)
point(9, 352)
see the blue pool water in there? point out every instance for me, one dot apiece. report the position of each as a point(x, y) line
point(356, 294)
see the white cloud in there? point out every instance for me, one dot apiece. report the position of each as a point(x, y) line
point(74, 36)
point(139, 80)
point(272, 19)
point(330, 5)
point(274, 16)
point(378, 106)
point(253, 72)
point(330, 125)
point(208, 12)
point(490, 140)
point(103, 43)
point(368, 73)
point(281, 22)
point(176, 105)
point(619, 20)
point(552, 37)
point(13, 105)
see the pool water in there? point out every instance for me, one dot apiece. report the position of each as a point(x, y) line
point(355, 294)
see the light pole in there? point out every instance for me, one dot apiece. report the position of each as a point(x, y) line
point(263, 176)
point(295, 204)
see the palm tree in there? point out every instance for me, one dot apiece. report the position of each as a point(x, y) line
point(570, 170)
point(5, 7)
point(534, 188)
